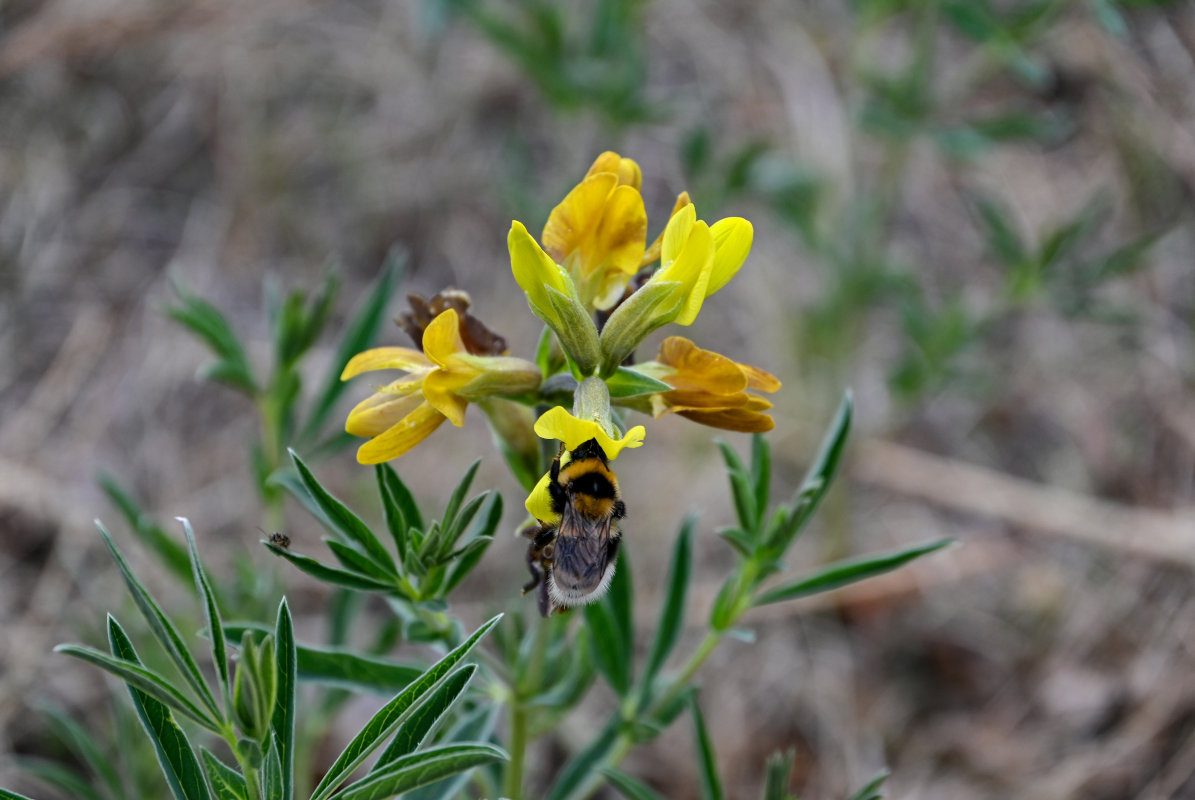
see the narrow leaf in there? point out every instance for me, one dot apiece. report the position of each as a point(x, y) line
point(672, 614)
point(396, 521)
point(872, 790)
point(847, 571)
point(337, 577)
point(393, 714)
point(175, 756)
point(458, 497)
point(711, 783)
point(476, 726)
point(283, 722)
point(211, 613)
point(776, 776)
point(630, 788)
point(412, 733)
point(226, 782)
point(628, 382)
point(272, 783)
point(825, 464)
point(354, 560)
point(741, 489)
point(148, 682)
point(172, 554)
point(162, 627)
point(761, 471)
point(344, 521)
point(419, 769)
point(576, 773)
point(402, 495)
point(5, 794)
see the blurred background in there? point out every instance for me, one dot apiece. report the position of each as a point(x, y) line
point(974, 213)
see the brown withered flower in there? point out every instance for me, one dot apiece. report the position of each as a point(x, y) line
point(478, 339)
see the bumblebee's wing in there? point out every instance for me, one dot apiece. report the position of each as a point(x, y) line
point(583, 558)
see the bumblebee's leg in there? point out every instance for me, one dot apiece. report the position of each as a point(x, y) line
point(612, 548)
point(620, 510)
point(545, 601)
point(555, 490)
point(533, 566)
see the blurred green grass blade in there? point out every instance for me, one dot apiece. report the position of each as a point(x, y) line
point(172, 554)
point(58, 775)
point(412, 733)
point(872, 791)
point(572, 778)
point(630, 788)
point(711, 783)
point(226, 782)
point(5, 794)
point(359, 335)
point(175, 756)
point(776, 776)
point(85, 747)
point(393, 714)
point(344, 522)
point(419, 769)
point(283, 721)
point(847, 571)
point(340, 668)
point(211, 614)
point(672, 614)
point(143, 679)
point(272, 784)
point(629, 382)
point(332, 575)
point(208, 324)
point(162, 627)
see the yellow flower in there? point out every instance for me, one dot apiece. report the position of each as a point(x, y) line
point(557, 423)
point(696, 260)
point(598, 232)
point(440, 383)
point(709, 388)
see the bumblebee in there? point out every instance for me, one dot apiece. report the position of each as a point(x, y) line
point(572, 561)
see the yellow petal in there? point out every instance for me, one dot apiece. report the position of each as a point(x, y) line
point(442, 338)
point(539, 502)
point(440, 389)
point(732, 243)
point(385, 358)
point(557, 423)
point(652, 253)
point(606, 162)
point(577, 215)
point(410, 431)
point(692, 268)
point(533, 268)
point(377, 413)
point(626, 169)
point(758, 379)
point(740, 420)
point(622, 231)
point(698, 369)
point(677, 233)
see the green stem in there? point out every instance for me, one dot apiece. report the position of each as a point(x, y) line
point(519, 736)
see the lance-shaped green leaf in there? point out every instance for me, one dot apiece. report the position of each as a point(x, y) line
point(342, 520)
point(208, 323)
point(359, 335)
point(392, 511)
point(776, 776)
point(354, 560)
point(458, 496)
point(419, 769)
point(332, 575)
point(478, 539)
point(226, 782)
point(711, 783)
point(283, 723)
point(628, 382)
point(847, 571)
point(172, 554)
point(761, 471)
point(162, 627)
point(340, 668)
point(211, 612)
point(5, 794)
point(147, 681)
point(475, 726)
point(175, 756)
point(630, 788)
point(825, 464)
point(412, 733)
point(872, 791)
point(393, 714)
point(272, 782)
point(672, 614)
point(741, 490)
point(403, 497)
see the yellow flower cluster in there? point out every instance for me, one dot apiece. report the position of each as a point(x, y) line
point(594, 243)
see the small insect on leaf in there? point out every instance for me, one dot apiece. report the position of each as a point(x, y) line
point(277, 538)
